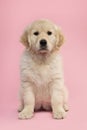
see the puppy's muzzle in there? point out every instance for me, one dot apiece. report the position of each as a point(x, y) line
point(43, 44)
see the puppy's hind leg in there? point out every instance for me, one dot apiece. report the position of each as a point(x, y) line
point(65, 104)
point(21, 106)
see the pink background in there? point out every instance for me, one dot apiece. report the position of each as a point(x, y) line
point(71, 15)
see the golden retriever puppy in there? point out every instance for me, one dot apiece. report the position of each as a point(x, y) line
point(42, 81)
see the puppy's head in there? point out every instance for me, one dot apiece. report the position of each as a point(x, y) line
point(42, 37)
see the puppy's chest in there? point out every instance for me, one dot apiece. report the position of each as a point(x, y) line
point(41, 75)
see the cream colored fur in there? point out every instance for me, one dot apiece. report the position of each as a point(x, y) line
point(42, 81)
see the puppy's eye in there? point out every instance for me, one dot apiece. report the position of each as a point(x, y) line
point(49, 33)
point(36, 33)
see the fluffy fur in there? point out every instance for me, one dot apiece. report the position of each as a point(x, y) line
point(42, 81)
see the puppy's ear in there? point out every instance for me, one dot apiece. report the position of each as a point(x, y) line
point(24, 39)
point(60, 37)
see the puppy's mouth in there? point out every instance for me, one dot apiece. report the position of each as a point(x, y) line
point(43, 50)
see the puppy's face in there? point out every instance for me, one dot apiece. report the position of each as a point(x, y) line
point(42, 37)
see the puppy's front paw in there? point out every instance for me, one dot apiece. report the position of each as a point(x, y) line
point(59, 113)
point(25, 114)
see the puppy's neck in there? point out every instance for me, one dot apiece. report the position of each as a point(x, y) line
point(43, 58)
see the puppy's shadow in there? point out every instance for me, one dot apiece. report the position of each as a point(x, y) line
point(43, 110)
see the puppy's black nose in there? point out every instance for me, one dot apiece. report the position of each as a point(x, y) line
point(43, 43)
